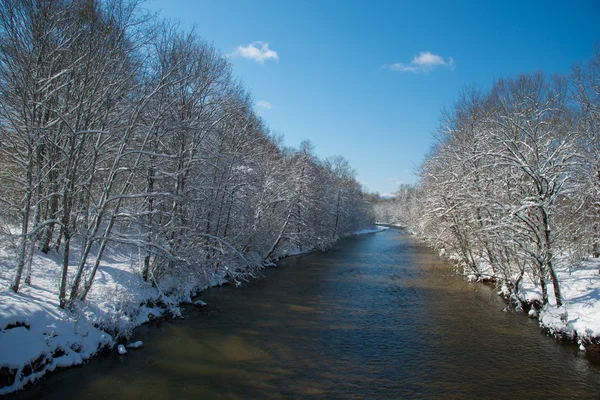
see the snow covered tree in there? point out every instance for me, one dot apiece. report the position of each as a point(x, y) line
point(507, 187)
point(586, 94)
point(118, 128)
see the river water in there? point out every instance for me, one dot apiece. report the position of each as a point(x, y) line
point(377, 317)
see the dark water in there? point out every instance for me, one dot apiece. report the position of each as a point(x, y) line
point(378, 317)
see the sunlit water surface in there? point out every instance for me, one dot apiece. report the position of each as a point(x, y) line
point(377, 317)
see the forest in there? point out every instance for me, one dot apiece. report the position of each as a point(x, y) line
point(511, 186)
point(118, 128)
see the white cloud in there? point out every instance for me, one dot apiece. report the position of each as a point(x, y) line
point(264, 104)
point(424, 62)
point(257, 51)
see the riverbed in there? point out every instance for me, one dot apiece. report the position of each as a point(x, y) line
point(377, 317)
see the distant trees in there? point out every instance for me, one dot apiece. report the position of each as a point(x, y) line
point(397, 209)
point(512, 181)
point(586, 95)
point(119, 128)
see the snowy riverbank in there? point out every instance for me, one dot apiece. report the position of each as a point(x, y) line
point(37, 336)
point(578, 319)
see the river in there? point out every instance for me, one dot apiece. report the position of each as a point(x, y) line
point(376, 317)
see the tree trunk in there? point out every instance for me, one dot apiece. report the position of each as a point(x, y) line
point(22, 250)
point(544, 289)
point(548, 259)
point(337, 215)
point(62, 290)
point(281, 232)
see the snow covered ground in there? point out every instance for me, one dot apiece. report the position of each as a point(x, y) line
point(37, 336)
point(579, 316)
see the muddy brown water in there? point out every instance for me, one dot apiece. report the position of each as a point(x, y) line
point(377, 317)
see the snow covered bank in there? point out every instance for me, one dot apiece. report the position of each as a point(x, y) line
point(578, 319)
point(37, 336)
point(377, 228)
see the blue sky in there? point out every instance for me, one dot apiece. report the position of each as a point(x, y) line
point(368, 79)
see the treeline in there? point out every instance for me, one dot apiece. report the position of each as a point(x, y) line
point(513, 180)
point(117, 127)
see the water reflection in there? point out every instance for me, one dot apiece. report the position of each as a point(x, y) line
point(376, 317)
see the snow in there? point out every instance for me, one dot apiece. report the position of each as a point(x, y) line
point(44, 337)
point(579, 316)
point(37, 336)
point(121, 349)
